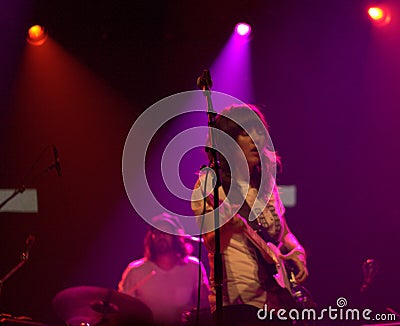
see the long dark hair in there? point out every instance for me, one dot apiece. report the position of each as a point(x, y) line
point(247, 116)
point(180, 247)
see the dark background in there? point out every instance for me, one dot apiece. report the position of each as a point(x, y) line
point(327, 77)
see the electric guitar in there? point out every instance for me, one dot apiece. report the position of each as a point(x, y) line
point(271, 255)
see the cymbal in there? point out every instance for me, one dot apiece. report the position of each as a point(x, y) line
point(90, 305)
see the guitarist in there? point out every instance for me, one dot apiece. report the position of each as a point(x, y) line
point(250, 204)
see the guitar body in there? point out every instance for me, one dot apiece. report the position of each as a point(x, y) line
point(288, 293)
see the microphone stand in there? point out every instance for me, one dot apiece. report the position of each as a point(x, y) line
point(204, 82)
point(23, 259)
point(17, 191)
point(22, 188)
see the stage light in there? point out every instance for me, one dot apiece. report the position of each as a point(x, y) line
point(375, 13)
point(379, 15)
point(243, 29)
point(37, 35)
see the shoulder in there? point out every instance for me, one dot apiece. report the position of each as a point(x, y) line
point(192, 260)
point(198, 189)
point(194, 263)
point(205, 181)
point(139, 264)
point(137, 269)
point(131, 273)
point(204, 186)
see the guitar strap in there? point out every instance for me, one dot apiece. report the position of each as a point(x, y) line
point(245, 210)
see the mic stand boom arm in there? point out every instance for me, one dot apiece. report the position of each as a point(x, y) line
point(22, 188)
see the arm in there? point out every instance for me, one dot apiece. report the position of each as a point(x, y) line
point(205, 290)
point(288, 242)
point(132, 279)
point(296, 252)
point(234, 225)
point(126, 283)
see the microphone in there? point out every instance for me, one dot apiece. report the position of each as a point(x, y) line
point(57, 164)
point(204, 81)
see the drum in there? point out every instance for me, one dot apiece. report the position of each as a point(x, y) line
point(95, 306)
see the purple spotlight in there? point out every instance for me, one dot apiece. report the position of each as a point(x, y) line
point(243, 29)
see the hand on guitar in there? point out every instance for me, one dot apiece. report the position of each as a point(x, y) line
point(298, 256)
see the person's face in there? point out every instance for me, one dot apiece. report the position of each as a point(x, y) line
point(162, 241)
point(247, 142)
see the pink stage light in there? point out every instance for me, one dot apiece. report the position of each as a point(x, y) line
point(243, 29)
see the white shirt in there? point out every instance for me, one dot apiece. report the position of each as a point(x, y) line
point(244, 276)
point(167, 293)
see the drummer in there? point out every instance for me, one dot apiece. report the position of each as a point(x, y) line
point(166, 278)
